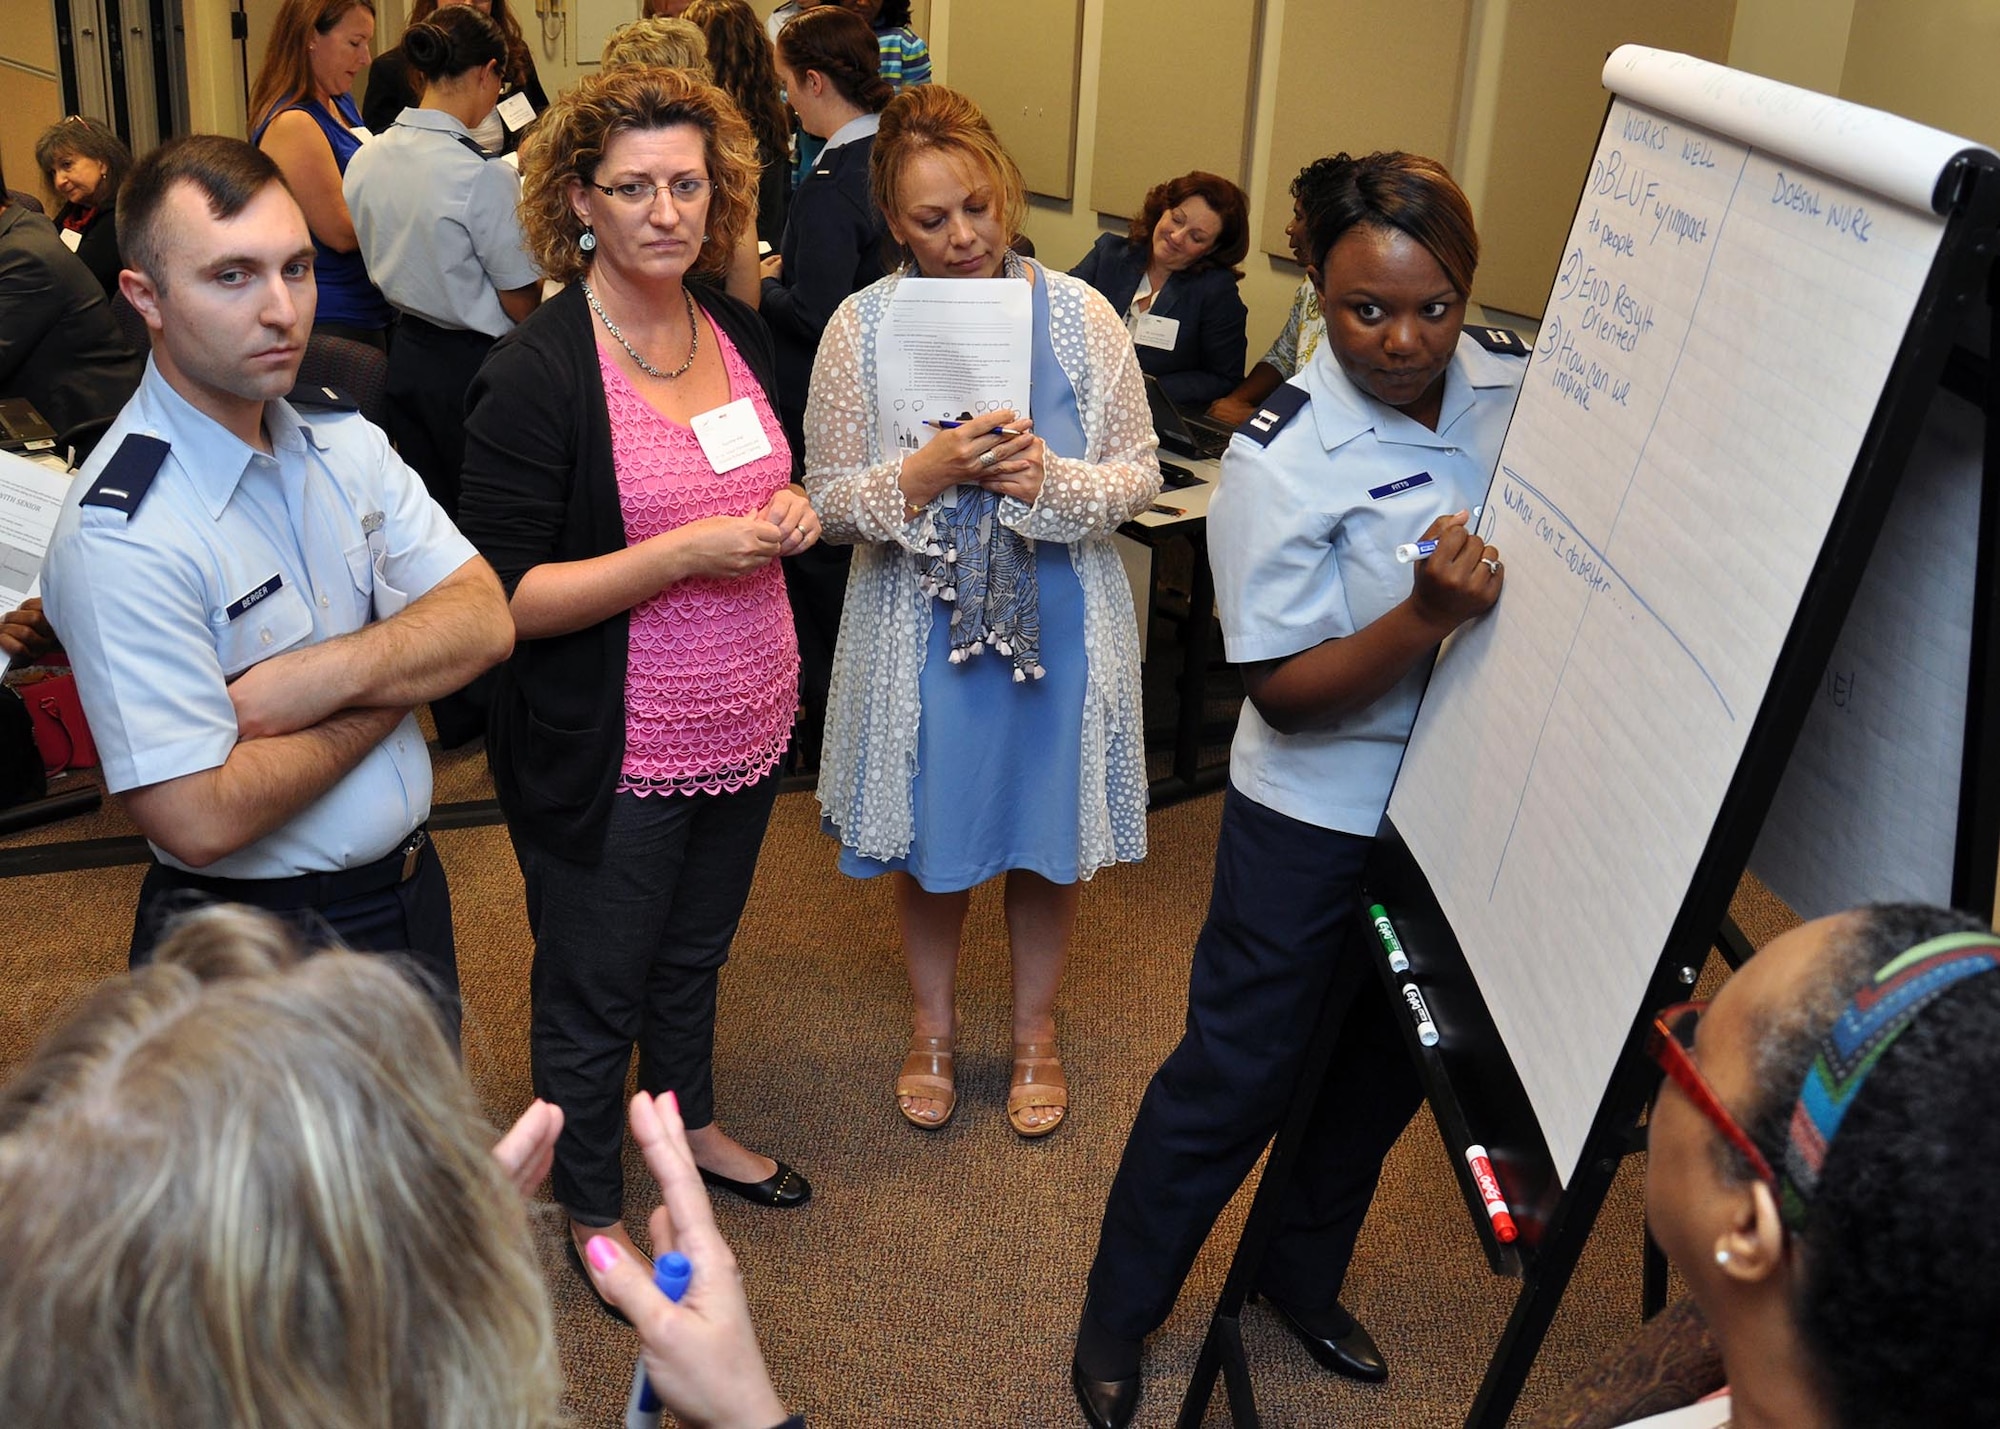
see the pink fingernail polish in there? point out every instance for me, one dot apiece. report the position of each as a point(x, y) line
point(674, 1102)
point(603, 1252)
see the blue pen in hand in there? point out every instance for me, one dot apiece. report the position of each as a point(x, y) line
point(671, 1274)
point(1419, 550)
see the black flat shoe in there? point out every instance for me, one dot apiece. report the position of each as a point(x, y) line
point(783, 1188)
point(1106, 1403)
point(583, 1274)
point(1352, 1354)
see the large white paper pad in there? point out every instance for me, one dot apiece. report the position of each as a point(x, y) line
point(951, 346)
point(1716, 343)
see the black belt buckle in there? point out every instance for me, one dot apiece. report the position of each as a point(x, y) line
point(412, 851)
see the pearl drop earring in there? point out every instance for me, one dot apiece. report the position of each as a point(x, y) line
point(1722, 1257)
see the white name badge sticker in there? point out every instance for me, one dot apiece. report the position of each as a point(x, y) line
point(516, 112)
point(731, 435)
point(362, 132)
point(72, 238)
point(1149, 331)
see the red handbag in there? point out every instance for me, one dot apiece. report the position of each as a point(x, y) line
point(61, 732)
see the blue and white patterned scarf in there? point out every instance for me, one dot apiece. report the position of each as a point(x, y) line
point(985, 571)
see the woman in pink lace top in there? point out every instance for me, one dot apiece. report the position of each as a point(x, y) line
point(627, 475)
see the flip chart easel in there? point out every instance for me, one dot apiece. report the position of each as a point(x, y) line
point(1757, 305)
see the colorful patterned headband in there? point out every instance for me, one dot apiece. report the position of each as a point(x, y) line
point(1876, 1016)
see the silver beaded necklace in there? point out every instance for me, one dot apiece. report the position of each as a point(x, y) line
point(694, 336)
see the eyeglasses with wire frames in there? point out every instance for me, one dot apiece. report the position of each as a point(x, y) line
point(640, 193)
point(1670, 1044)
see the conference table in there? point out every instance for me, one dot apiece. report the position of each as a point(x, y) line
point(1140, 541)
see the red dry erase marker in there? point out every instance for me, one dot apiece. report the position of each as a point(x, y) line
point(1489, 1192)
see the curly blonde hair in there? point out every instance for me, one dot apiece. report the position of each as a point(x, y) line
point(657, 40)
point(569, 143)
point(927, 117)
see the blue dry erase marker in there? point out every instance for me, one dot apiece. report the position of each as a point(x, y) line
point(949, 426)
point(671, 1274)
point(1418, 550)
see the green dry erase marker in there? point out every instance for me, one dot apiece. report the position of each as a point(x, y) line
point(1399, 961)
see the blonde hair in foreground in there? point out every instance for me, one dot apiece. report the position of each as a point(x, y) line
point(241, 1188)
point(569, 143)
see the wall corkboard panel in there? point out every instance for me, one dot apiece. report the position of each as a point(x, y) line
point(1404, 96)
point(1020, 62)
point(1546, 121)
point(1175, 92)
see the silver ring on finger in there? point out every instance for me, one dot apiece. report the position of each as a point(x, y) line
point(1491, 563)
point(988, 457)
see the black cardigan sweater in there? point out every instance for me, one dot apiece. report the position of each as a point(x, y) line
point(539, 486)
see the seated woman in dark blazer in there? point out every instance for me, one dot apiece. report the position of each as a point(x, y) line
point(59, 345)
point(85, 162)
point(1173, 279)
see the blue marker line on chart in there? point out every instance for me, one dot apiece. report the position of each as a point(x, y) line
point(1598, 585)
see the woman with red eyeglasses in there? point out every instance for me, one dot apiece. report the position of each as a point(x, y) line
point(1821, 1169)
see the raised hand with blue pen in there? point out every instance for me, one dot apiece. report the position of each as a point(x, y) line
point(699, 1354)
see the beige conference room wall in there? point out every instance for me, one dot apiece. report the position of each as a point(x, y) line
point(1925, 58)
point(1816, 43)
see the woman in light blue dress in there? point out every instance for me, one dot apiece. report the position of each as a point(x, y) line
point(984, 717)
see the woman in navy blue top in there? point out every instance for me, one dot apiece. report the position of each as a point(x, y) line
point(1173, 279)
point(834, 241)
point(306, 121)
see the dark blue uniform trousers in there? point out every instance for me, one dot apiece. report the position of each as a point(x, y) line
point(1274, 949)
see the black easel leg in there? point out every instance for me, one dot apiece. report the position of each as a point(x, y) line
point(1223, 1345)
point(1652, 1279)
point(1221, 1350)
point(1542, 1290)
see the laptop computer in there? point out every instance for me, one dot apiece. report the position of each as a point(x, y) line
point(23, 430)
point(1191, 436)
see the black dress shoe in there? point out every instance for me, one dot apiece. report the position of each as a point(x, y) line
point(783, 1188)
point(1106, 1403)
point(576, 1264)
point(1352, 1353)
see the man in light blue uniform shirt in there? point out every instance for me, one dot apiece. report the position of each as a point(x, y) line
point(254, 598)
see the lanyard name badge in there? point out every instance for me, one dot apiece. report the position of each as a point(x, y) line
point(731, 435)
point(516, 112)
point(1150, 331)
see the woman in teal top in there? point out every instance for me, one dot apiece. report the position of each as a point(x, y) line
point(305, 119)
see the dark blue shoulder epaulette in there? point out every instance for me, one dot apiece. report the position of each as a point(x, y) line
point(1279, 408)
point(1498, 339)
point(128, 476)
point(318, 397)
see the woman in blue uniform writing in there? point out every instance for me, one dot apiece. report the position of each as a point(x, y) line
point(1388, 435)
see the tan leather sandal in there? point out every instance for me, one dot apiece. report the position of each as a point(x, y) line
point(1038, 1084)
point(927, 1075)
